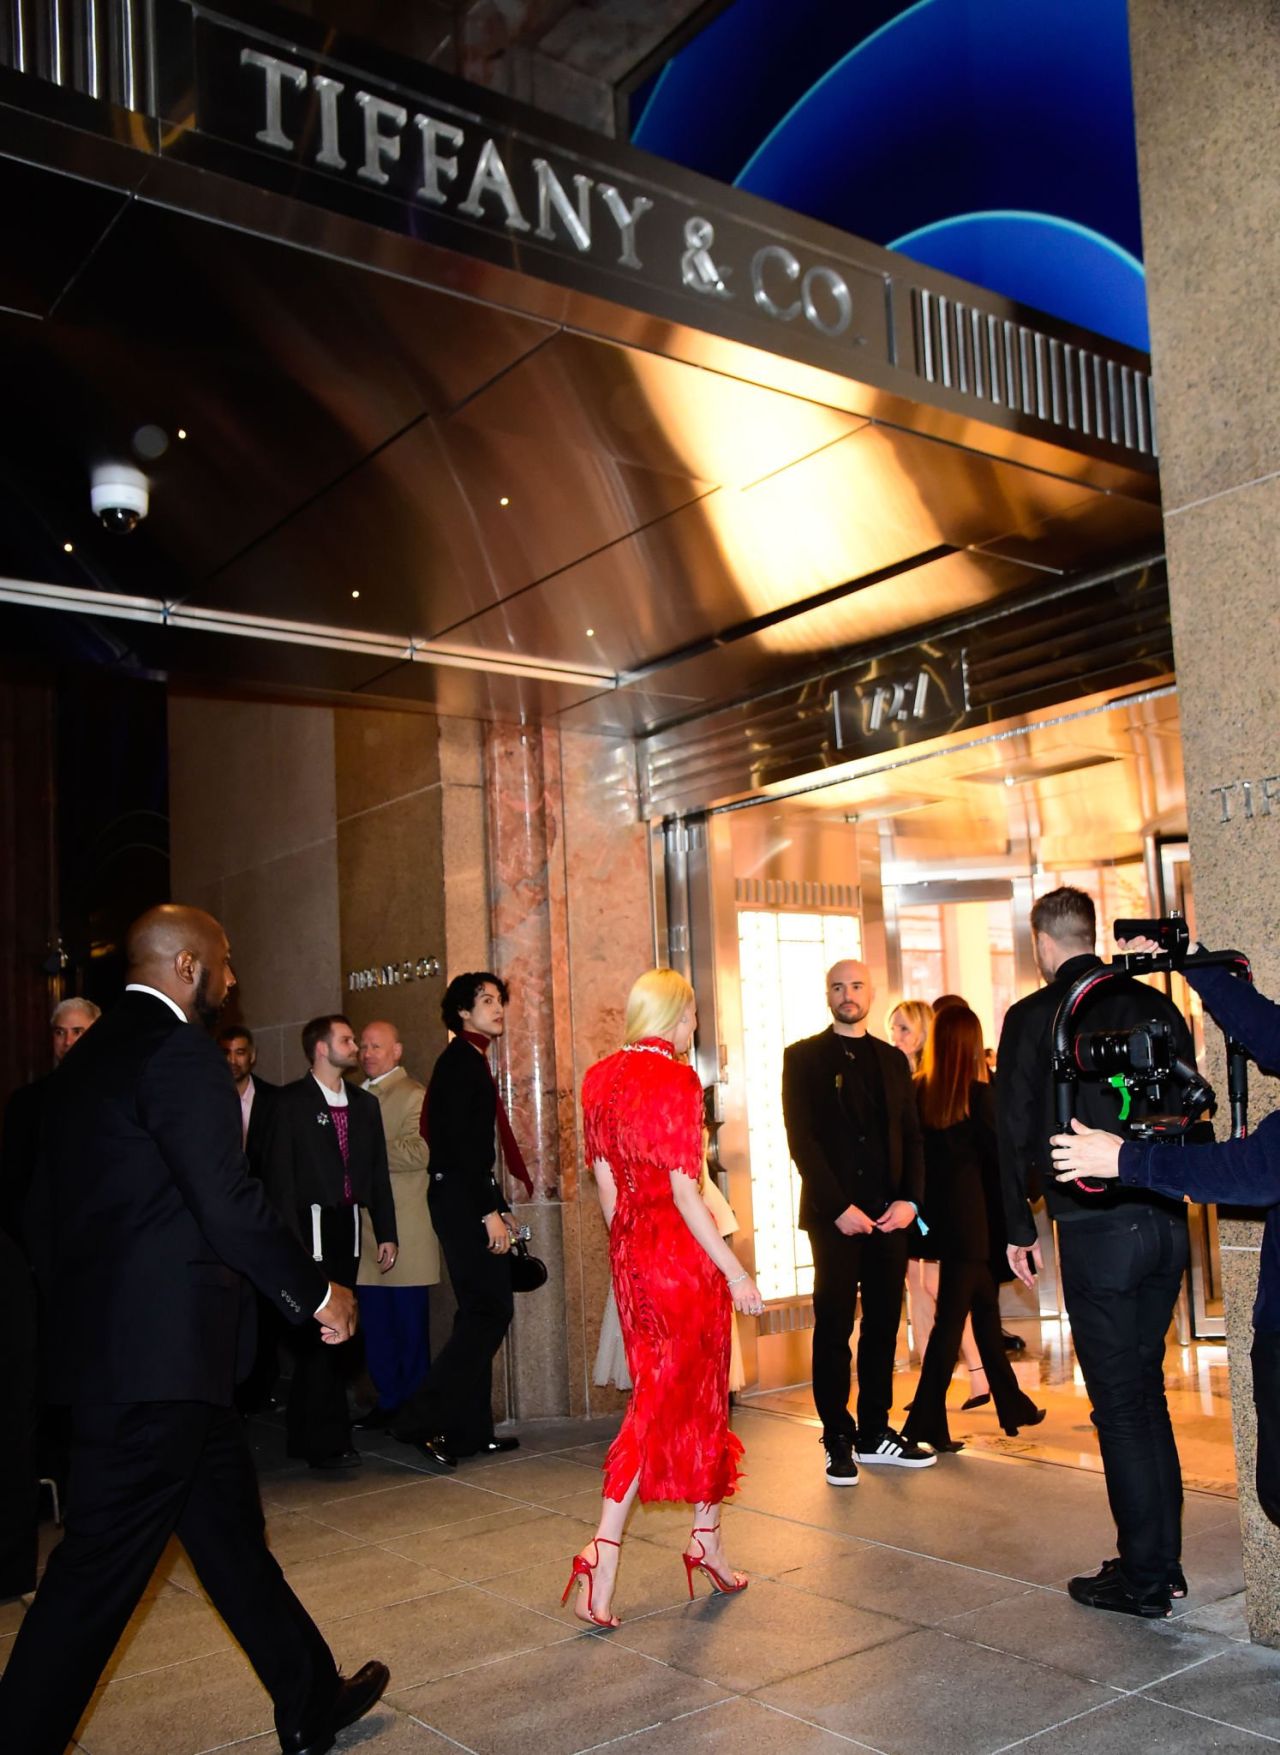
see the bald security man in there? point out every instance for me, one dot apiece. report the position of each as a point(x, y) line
point(146, 1242)
point(394, 1312)
point(854, 1133)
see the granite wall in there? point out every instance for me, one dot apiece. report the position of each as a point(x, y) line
point(1207, 92)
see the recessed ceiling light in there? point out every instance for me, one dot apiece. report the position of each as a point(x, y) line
point(591, 633)
point(355, 594)
point(182, 432)
point(504, 501)
point(67, 548)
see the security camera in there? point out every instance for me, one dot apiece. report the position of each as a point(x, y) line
point(119, 495)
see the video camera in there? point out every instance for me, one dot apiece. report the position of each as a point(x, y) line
point(1142, 1062)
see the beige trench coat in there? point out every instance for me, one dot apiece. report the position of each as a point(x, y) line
point(400, 1098)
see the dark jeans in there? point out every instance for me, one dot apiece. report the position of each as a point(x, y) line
point(456, 1401)
point(1265, 1359)
point(964, 1288)
point(141, 1472)
point(317, 1422)
point(876, 1266)
point(395, 1322)
point(1121, 1271)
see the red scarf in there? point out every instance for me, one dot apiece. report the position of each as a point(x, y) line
point(512, 1156)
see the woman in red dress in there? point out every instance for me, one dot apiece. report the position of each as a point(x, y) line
point(675, 1280)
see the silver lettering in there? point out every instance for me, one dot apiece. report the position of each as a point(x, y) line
point(274, 72)
point(839, 291)
point(377, 145)
point(1224, 801)
point(330, 90)
point(437, 165)
point(698, 268)
point(1246, 787)
point(625, 218)
point(1270, 792)
point(551, 197)
point(491, 179)
point(790, 268)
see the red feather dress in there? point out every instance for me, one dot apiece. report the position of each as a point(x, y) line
point(642, 1113)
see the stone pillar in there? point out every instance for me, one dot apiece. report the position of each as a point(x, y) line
point(1207, 88)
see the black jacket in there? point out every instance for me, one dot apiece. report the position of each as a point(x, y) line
point(146, 1224)
point(261, 1119)
point(20, 1151)
point(459, 1121)
point(824, 1138)
point(303, 1163)
point(1024, 1093)
point(962, 1205)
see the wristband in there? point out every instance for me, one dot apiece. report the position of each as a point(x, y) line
point(738, 1278)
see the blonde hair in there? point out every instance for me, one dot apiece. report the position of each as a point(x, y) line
point(656, 1003)
point(919, 1015)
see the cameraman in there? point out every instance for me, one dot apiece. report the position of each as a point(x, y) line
point(1246, 1172)
point(1123, 1256)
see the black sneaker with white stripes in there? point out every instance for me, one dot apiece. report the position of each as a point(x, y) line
point(842, 1471)
point(891, 1447)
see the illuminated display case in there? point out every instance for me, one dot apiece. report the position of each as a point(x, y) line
point(783, 960)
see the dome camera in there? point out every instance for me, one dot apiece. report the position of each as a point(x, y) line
point(119, 495)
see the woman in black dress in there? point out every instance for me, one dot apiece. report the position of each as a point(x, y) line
point(961, 1191)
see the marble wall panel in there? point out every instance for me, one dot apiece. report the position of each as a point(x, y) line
point(380, 756)
point(537, 1356)
point(282, 920)
point(464, 834)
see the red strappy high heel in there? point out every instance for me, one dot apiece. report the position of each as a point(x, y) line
point(699, 1562)
point(585, 1569)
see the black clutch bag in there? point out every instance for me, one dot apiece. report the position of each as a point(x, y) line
point(527, 1271)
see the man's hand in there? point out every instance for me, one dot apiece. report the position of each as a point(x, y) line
point(387, 1253)
point(337, 1318)
point(1026, 1262)
point(896, 1217)
point(1149, 946)
point(499, 1233)
point(853, 1222)
point(1086, 1151)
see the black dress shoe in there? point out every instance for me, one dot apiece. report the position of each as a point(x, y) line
point(434, 1450)
point(1013, 1343)
point(356, 1695)
point(498, 1446)
point(1031, 1418)
point(340, 1459)
point(1108, 1588)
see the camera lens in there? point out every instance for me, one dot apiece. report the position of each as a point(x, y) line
point(1103, 1051)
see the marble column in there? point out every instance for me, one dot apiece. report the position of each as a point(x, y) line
point(1206, 88)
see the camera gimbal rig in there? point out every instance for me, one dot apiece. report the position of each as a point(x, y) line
point(1143, 1061)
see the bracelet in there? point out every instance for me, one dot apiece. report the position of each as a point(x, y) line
point(738, 1278)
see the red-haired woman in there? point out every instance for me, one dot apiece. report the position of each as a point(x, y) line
point(958, 1119)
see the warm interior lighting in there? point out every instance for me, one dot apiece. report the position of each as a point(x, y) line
point(355, 594)
point(504, 501)
point(67, 548)
point(182, 432)
point(591, 633)
point(783, 959)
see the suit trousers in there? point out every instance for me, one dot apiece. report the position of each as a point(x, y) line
point(395, 1323)
point(964, 1288)
point(456, 1401)
point(140, 1473)
point(874, 1265)
point(1265, 1359)
point(1121, 1273)
point(317, 1419)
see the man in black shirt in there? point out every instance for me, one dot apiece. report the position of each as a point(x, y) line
point(854, 1134)
point(1123, 1255)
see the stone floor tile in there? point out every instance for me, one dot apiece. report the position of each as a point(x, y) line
point(897, 1696)
point(168, 1627)
point(288, 1491)
point(1228, 1616)
point(384, 1731)
point(910, 1587)
point(12, 1611)
point(430, 1637)
point(762, 1544)
point(424, 1545)
point(1241, 1687)
point(6, 1646)
point(650, 1579)
point(766, 1633)
point(179, 1710)
point(537, 1480)
point(403, 1509)
point(1137, 1723)
point(1118, 1649)
point(337, 1585)
point(514, 1540)
point(293, 1537)
point(558, 1700)
point(736, 1727)
point(1211, 1559)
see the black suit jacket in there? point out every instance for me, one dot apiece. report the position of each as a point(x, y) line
point(261, 1120)
point(146, 1223)
point(20, 1152)
point(1024, 1094)
point(962, 1205)
point(459, 1119)
point(825, 1139)
point(304, 1160)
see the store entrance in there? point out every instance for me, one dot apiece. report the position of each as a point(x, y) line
point(925, 865)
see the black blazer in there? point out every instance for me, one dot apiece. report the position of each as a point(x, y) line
point(146, 1223)
point(261, 1119)
point(303, 1164)
point(824, 1138)
point(1024, 1095)
point(20, 1152)
point(962, 1205)
point(459, 1122)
